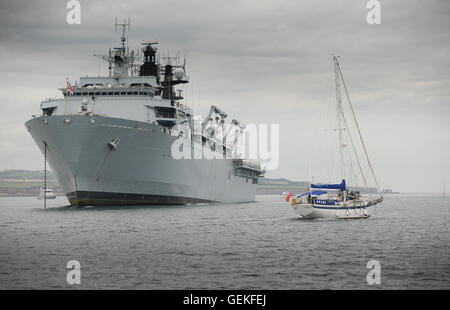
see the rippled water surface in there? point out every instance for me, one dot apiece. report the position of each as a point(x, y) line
point(260, 245)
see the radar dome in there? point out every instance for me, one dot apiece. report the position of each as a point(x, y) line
point(178, 73)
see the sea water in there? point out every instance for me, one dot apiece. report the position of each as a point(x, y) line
point(258, 245)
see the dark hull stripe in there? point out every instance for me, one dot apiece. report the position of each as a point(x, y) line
point(343, 208)
point(86, 198)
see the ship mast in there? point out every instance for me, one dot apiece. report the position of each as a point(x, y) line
point(124, 28)
point(120, 59)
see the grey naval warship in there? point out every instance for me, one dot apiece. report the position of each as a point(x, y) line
point(109, 139)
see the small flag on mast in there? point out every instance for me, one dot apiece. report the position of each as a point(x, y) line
point(69, 89)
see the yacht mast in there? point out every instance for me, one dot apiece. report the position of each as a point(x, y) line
point(341, 114)
point(339, 108)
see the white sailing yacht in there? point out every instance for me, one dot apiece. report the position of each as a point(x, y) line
point(338, 200)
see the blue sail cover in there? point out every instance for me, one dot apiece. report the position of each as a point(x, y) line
point(330, 186)
point(318, 193)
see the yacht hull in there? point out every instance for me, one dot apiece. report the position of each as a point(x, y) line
point(313, 211)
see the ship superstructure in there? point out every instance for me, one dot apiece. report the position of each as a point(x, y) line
point(109, 140)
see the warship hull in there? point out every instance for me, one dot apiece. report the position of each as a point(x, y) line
point(100, 160)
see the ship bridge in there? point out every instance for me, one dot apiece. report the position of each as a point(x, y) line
point(137, 87)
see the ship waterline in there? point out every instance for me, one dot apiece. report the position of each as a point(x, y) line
point(137, 170)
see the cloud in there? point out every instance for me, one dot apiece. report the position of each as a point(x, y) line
point(261, 61)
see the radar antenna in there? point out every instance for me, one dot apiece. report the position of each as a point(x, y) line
point(149, 42)
point(124, 28)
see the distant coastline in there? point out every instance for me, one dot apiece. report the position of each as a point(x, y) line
point(28, 183)
point(268, 186)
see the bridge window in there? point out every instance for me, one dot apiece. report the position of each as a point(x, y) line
point(48, 111)
point(162, 112)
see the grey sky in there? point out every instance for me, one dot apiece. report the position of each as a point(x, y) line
point(261, 61)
